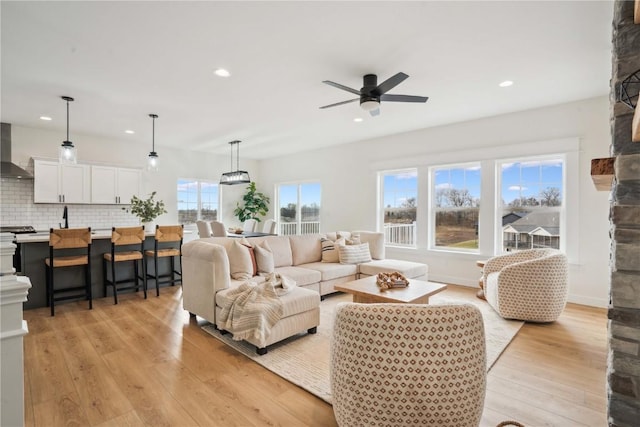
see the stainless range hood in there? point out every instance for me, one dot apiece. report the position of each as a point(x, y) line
point(8, 169)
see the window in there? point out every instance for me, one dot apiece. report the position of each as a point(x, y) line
point(455, 197)
point(399, 199)
point(299, 211)
point(197, 200)
point(532, 194)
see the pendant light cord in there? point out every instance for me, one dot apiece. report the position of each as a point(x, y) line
point(153, 133)
point(238, 156)
point(67, 120)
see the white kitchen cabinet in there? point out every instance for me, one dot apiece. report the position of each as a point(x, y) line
point(61, 183)
point(113, 185)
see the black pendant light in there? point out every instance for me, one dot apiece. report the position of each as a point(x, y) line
point(67, 152)
point(152, 160)
point(237, 176)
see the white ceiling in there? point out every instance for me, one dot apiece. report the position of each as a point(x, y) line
point(124, 60)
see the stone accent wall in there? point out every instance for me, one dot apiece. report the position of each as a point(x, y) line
point(624, 312)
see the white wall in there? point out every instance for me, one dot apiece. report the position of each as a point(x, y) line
point(348, 177)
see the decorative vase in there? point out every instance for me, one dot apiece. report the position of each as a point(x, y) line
point(149, 227)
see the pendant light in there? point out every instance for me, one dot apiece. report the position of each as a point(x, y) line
point(237, 176)
point(152, 161)
point(67, 152)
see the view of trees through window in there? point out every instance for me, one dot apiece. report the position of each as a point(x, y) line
point(197, 200)
point(399, 198)
point(532, 198)
point(456, 204)
point(299, 208)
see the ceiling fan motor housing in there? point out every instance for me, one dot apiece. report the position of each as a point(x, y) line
point(368, 100)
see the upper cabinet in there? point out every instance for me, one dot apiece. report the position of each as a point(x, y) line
point(112, 185)
point(61, 183)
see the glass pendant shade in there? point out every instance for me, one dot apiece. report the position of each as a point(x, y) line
point(153, 163)
point(67, 152)
point(237, 176)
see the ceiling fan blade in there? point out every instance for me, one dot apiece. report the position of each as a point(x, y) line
point(389, 84)
point(339, 103)
point(375, 112)
point(339, 86)
point(403, 98)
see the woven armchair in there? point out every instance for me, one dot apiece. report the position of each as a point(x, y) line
point(408, 365)
point(530, 285)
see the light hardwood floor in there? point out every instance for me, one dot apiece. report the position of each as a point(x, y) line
point(146, 363)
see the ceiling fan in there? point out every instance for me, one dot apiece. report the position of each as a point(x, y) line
point(373, 93)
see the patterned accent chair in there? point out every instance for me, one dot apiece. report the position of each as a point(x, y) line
point(408, 365)
point(529, 285)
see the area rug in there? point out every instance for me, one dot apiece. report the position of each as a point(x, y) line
point(304, 359)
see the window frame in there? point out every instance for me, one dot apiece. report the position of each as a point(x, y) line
point(298, 223)
point(382, 208)
point(198, 183)
point(562, 209)
point(433, 210)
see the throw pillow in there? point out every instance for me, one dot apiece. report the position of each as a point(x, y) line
point(240, 264)
point(244, 242)
point(330, 250)
point(350, 238)
point(264, 258)
point(354, 254)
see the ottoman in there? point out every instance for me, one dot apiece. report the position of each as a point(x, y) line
point(300, 312)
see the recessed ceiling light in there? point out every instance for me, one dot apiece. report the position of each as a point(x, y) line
point(47, 118)
point(221, 72)
point(130, 132)
point(357, 119)
point(506, 83)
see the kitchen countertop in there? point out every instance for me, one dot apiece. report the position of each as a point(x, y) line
point(43, 236)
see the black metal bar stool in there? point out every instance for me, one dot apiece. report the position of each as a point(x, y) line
point(167, 243)
point(124, 239)
point(73, 245)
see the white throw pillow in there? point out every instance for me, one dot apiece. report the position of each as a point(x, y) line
point(240, 264)
point(330, 250)
point(354, 254)
point(264, 258)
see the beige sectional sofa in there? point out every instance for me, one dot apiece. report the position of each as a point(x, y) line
point(209, 263)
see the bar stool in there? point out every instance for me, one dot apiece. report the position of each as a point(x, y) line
point(167, 243)
point(74, 245)
point(121, 237)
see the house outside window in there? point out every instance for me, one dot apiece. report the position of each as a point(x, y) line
point(455, 207)
point(399, 201)
point(197, 200)
point(299, 208)
point(532, 192)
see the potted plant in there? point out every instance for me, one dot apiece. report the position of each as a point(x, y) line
point(254, 204)
point(146, 209)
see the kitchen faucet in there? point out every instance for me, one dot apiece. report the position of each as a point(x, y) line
point(65, 216)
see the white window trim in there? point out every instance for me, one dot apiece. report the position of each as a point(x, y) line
point(380, 202)
point(431, 227)
point(298, 184)
point(199, 200)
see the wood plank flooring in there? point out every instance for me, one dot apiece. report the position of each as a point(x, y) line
point(147, 363)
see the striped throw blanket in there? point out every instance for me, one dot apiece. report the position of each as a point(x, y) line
point(252, 310)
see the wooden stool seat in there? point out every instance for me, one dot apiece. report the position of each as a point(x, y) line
point(68, 240)
point(125, 237)
point(167, 244)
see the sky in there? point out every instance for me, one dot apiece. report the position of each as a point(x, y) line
point(518, 179)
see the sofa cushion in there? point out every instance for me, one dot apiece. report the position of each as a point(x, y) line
point(376, 243)
point(330, 271)
point(281, 249)
point(302, 276)
point(264, 257)
point(354, 254)
point(408, 268)
point(240, 264)
point(298, 300)
point(306, 248)
point(330, 249)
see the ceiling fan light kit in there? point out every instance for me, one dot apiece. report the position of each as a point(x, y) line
point(372, 93)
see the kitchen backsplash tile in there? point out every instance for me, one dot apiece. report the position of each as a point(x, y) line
point(17, 208)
